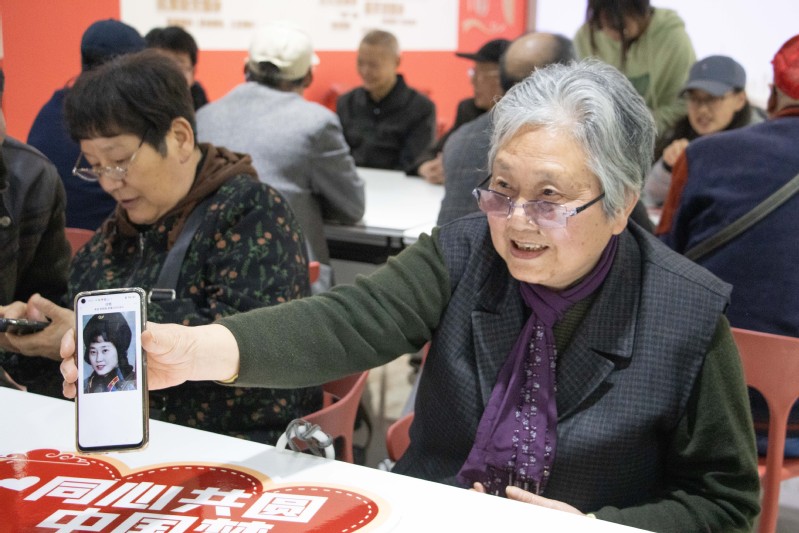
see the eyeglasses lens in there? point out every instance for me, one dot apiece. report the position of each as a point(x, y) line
point(544, 214)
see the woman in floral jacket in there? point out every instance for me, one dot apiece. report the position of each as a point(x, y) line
point(134, 121)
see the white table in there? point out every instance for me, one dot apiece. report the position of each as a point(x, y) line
point(398, 209)
point(186, 476)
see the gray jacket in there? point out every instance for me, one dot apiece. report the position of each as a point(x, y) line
point(654, 428)
point(465, 159)
point(298, 148)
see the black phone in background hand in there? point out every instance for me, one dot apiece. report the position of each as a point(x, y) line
point(21, 326)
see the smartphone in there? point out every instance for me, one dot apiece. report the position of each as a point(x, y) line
point(112, 402)
point(21, 326)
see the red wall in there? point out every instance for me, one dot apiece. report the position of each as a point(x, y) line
point(41, 44)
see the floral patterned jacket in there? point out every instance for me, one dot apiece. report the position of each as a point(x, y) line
point(248, 252)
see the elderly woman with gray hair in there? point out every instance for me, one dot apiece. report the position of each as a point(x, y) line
point(575, 363)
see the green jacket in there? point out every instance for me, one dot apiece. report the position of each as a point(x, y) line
point(657, 62)
point(657, 436)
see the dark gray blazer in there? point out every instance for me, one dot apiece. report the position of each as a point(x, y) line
point(465, 160)
point(648, 329)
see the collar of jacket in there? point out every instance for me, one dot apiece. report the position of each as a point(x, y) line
point(603, 343)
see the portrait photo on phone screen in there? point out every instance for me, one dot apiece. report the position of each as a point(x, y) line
point(109, 352)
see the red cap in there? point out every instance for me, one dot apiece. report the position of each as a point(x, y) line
point(786, 68)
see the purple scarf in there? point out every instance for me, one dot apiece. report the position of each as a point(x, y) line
point(516, 437)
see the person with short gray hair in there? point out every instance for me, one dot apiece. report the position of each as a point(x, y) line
point(611, 126)
point(575, 362)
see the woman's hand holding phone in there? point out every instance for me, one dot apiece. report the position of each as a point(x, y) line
point(175, 354)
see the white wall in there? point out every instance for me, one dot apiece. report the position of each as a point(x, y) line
point(749, 31)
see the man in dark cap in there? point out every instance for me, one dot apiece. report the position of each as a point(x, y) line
point(487, 89)
point(87, 204)
point(465, 155)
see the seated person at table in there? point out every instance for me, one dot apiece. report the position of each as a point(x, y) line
point(386, 123)
point(724, 176)
point(716, 98)
point(87, 204)
point(178, 44)
point(485, 79)
point(34, 252)
point(134, 121)
point(576, 362)
point(305, 157)
point(107, 338)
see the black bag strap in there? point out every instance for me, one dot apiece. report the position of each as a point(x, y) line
point(164, 288)
point(746, 221)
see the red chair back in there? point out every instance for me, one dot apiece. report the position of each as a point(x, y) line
point(771, 366)
point(313, 271)
point(339, 409)
point(398, 437)
point(78, 237)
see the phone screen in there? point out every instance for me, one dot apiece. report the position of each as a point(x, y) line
point(112, 401)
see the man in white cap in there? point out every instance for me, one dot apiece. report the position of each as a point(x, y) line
point(297, 146)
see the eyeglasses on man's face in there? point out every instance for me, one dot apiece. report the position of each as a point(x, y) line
point(539, 212)
point(95, 172)
point(482, 74)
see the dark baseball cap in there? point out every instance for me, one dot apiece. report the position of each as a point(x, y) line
point(490, 52)
point(106, 39)
point(716, 75)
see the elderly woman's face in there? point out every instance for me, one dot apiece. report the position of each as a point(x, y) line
point(150, 185)
point(103, 356)
point(539, 164)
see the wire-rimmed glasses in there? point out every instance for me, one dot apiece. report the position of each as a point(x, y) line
point(95, 172)
point(539, 212)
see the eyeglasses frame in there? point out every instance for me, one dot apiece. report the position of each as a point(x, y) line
point(115, 173)
point(568, 212)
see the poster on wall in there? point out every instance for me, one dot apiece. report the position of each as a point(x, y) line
point(333, 24)
point(483, 20)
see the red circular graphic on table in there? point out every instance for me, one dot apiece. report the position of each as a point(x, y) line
point(51, 490)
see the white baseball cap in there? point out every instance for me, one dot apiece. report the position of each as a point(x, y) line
point(285, 46)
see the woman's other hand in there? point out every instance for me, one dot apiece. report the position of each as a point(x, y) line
point(520, 495)
point(45, 342)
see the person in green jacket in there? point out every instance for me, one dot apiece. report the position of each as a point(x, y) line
point(648, 45)
point(575, 362)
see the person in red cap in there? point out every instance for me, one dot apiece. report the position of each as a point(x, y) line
point(485, 79)
point(723, 176)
